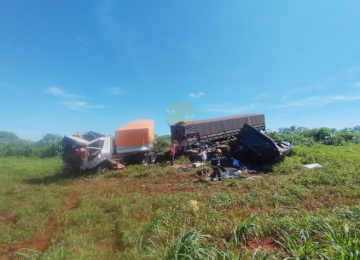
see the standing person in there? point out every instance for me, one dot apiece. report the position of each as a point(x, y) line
point(215, 164)
point(172, 154)
point(203, 155)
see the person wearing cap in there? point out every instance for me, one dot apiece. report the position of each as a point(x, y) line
point(215, 164)
point(172, 154)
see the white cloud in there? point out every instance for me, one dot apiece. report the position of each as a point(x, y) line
point(194, 95)
point(115, 91)
point(78, 105)
point(70, 101)
point(317, 101)
point(56, 91)
point(228, 108)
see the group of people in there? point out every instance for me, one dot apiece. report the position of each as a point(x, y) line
point(214, 164)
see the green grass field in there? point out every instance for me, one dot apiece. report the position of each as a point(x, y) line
point(144, 212)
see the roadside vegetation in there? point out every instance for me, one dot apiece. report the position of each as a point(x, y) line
point(12, 145)
point(303, 136)
point(144, 212)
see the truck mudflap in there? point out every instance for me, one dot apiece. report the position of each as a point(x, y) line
point(254, 147)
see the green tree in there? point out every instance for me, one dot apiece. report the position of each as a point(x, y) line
point(162, 143)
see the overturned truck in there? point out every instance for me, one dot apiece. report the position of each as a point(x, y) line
point(133, 143)
point(253, 147)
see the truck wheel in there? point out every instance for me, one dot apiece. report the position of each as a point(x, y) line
point(104, 167)
point(153, 158)
point(145, 160)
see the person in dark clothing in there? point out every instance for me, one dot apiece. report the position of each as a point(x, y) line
point(172, 154)
point(215, 164)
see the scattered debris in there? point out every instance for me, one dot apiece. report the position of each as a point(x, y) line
point(194, 203)
point(235, 162)
point(202, 172)
point(312, 166)
point(232, 174)
point(254, 177)
point(120, 166)
point(198, 164)
point(193, 154)
point(245, 170)
point(183, 169)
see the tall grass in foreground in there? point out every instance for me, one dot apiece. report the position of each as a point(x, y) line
point(193, 245)
point(325, 242)
point(343, 244)
point(245, 228)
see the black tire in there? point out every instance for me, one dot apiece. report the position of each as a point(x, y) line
point(153, 157)
point(144, 160)
point(104, 167)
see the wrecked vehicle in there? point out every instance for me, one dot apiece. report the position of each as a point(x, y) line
point(253, 147)
point(86, 151)
point(198, 134)
point(91, 150)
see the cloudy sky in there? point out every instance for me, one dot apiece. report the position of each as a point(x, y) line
point(69, 66)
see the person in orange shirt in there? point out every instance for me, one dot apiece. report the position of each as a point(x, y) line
point(172, 154)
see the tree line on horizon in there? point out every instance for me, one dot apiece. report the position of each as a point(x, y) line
point(303, 136)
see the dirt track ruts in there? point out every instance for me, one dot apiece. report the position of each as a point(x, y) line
point(41, 240)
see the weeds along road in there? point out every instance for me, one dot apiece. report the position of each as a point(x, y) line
point(144, 211)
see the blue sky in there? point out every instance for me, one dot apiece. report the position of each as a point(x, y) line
point(69, 66)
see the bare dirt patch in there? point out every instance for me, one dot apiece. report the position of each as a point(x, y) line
point(267, 243)
point(8, 218)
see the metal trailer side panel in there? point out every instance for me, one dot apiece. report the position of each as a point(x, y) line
point(226, 124)
point(214, 127)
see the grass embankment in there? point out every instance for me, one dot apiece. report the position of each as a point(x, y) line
point(144, 212)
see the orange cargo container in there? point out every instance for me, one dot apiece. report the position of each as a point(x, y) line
point(137, 133)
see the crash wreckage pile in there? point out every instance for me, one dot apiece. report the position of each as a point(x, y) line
point(253, 147)
point(133, 143)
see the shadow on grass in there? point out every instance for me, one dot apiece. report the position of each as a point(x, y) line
point(162, 158)
point(60, 178)
point(48, 179)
